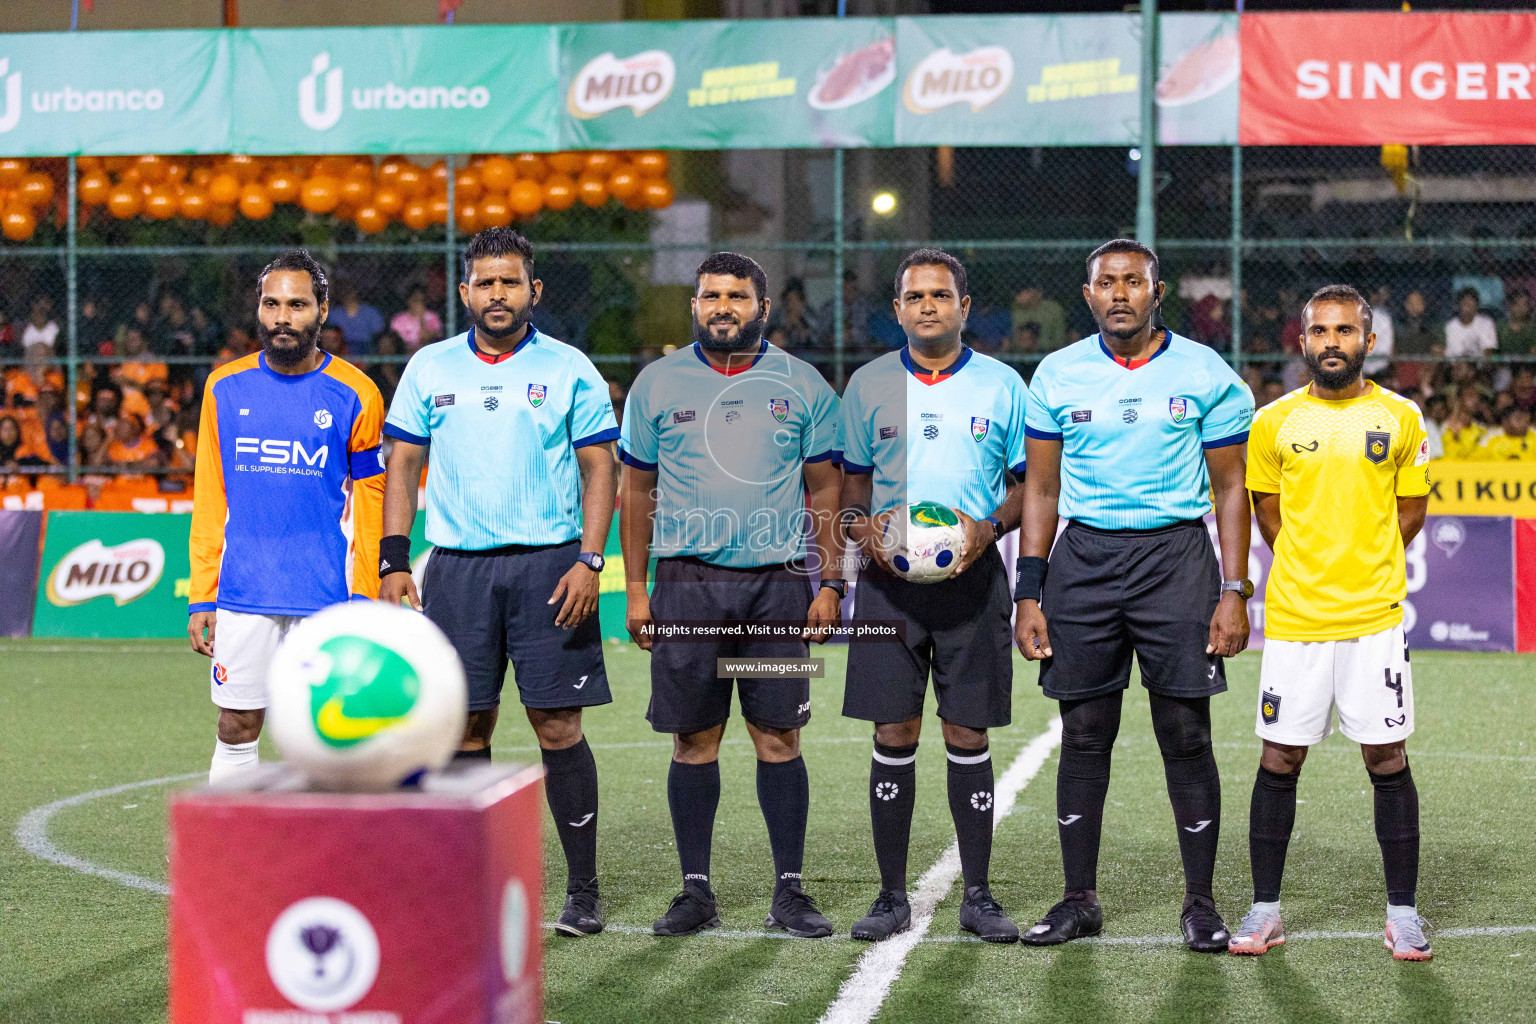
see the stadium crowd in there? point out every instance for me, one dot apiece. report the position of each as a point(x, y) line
point(139, 386)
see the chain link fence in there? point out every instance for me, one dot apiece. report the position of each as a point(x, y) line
point(1439, 238)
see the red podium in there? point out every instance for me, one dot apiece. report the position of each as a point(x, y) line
point(417, 907)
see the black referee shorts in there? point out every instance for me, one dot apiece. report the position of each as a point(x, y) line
point(1112, 592)
point(494, 605)
point(687, 694)
point(958, 629)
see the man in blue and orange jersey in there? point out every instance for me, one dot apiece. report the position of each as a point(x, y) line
point(284, 433)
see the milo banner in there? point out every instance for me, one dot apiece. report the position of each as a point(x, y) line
point(113, 574)
point(789, 82)
point(1062, 80)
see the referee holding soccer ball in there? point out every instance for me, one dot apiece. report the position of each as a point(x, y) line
point(1129, 433)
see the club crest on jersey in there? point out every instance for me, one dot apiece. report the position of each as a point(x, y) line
point(536, 394)
point(1177, 408)
point(979, 428)
point(1377, 444)
point(1269, 707)
point(779, 407)
point(491, 403)
point(220, 674)
point(323, 418)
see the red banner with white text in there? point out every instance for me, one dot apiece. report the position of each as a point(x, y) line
point(1371, 79)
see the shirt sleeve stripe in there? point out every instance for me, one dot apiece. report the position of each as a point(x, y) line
point(630, 460)
point(1226, 442)
point(202, 606)
point(1040, 435)
point(1017, 470)
point(393, 431)
point(601, 437)
point(830, 453)
point(854, 467)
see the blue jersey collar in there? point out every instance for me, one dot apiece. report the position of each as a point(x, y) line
point(532, 333)
point(762, 349)
point(948, 371)
point(1167, 340)
point(261, 360)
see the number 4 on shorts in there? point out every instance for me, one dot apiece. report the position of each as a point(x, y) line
point(1395, 684)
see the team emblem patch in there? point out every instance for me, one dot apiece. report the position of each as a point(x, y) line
point(438, 401)
point(1082, 415)
point(491, 403)
point(1269, 707)
point(1177, 407)
point(536, 394)
point(733, 415)
point(886, 433)
point(931, 431)
point(323, 418)
point(1129, 415)
point(686, 416)
point(779, 407)
point(979, 428)
point(220, 674)
point(1377, 444)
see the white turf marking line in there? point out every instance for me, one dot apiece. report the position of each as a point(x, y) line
point(859, 998)
point(32, 834)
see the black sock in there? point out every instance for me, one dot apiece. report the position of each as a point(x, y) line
point(693, 793)
point(892, 795)
point(570, 786)
point(1088, 732)
point(1271, 816)
point(784, 793)
point(970, 804)
point(1397, 830)
point(483, 754)
point(1183, 728)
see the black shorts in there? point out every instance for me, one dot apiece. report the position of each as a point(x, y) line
point(686, 693)
point(1153, 592)
point(961, 629)
point(493, 605)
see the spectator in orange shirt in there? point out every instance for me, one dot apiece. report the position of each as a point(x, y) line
point(137, 373)
point(105, 409)
point(133, 447)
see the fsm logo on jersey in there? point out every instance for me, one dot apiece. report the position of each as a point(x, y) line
point(124, 572)
point(322, 95)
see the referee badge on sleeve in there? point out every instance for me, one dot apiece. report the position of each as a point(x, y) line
point(1377, 444)
point(1269, 707)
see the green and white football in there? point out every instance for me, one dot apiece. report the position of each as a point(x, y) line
point(926, 543)
point(362, 696)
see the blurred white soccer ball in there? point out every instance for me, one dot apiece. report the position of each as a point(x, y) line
point(364, 695)
point(925, 544)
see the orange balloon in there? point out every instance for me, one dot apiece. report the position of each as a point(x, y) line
point(162, 204)
point(201, 176)
point(321, 194)
point(130, 176)
point(332, 167)
point(568, 163)
point(651, 163)
point(194, 203)
point(526, 197)
point(602, 163)
point(559, 192)
point(389, 200)
point(176, 171)
point(224, 189)
point(530, 166)
point(245, 168)
point(592, 190)
point(220, 215)
point(623, 183)
point(411, 181)
point(495, 211)
point(356, 191)
point(151, 168)
point(35, 190)
point(498, 174)
point(125, 201)
point(18, 223)
point(390, 168)
point(437, 207)
point(466, 217)
point(362, 167)
point(283, 186)
point(657, 194)
point(113, 164)
point(437, 177)
point(256, 201)
point(370, 220)
point(417, 215)
point(467, 186)
point(94, 188)
point(89, 164)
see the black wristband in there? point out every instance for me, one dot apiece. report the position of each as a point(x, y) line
point(394, 554)
point(1030, 579)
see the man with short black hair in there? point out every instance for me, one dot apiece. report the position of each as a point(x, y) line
point(519, 502)
point(1129, 432)
point(723, 442)
point(1470, 333)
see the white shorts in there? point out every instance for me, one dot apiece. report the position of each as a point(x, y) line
point(243, 646)
point(1368, 679)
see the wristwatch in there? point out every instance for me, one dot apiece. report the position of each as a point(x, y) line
point(1243, 588)
point(841, 586)
point(997, 528)
point(594, 561)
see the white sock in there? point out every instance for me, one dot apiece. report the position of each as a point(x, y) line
point(231, 759)
point(1271, 908)
point(1394, 913)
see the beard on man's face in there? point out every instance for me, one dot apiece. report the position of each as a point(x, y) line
point(1335, 380)
point(747, 335)
point(518, 318)
point(288, 346)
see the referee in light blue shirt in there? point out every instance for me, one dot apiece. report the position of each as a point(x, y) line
point(1129, 433)
point(519, 501)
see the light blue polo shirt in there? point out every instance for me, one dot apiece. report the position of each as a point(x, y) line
point(952, 442)
point(728, 452)
point(504, 437)
point(1134, 441)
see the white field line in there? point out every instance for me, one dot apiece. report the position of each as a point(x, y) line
point(860, 997)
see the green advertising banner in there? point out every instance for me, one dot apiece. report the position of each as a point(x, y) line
point(784, 83)
point(113, 574)
point(396, 90)
point(1062, 80)
point(114, 92)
